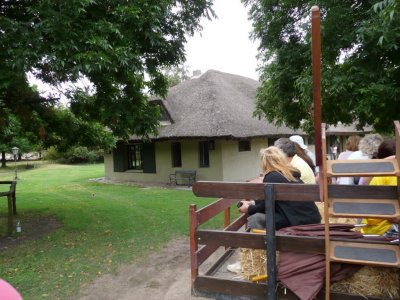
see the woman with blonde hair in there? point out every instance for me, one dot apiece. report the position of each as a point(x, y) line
point(276, 169)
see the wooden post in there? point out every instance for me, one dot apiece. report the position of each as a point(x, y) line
point(193, 242)
point(14, 198)
point(316, 74)
point(227, 217)
point(323, 186)
point(397, 136)
point(10, 224)
point(270, 240)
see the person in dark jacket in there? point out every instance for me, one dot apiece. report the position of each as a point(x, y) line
point(287, 213)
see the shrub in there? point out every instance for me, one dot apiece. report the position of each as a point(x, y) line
point(82, 155)
point(74, 155)
point(52, 154)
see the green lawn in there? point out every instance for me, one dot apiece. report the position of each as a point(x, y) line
point(103, 226)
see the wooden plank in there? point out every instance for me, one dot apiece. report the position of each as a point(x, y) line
point(237, 224)
point(362, 191)
point(208, 212)
point(290, 191)
point(257, 241)
point(219, 288)
point(365, 254)
point(365, 208)
point(205, 252)
point(245, 190)
point(194, 270)
point(231, 190)
point(233, 289)
point(363, 167)
point(230, 239)
point(218, 264)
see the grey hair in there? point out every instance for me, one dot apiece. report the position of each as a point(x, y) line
point(286, 145)
point(369, 144)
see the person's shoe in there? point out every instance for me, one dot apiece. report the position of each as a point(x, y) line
point(234, 268)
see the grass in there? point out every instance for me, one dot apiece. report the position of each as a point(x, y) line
point(104, 226)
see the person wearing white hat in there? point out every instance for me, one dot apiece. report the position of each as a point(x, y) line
point(299, 140)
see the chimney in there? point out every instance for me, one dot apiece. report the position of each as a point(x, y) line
point(196, 73)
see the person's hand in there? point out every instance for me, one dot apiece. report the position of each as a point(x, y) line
point(245, 206)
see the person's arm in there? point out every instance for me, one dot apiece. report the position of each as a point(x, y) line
point(252, 207)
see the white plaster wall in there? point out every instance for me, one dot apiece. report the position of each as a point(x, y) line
point(241, 166)
point(163, 167)
point(190, 161)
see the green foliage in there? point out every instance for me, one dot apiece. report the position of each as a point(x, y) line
point(360, 61)
point(176, 75)
point(103, 226)
point(82, 155)
point(113, 44)
point(74, 155)
point(52, 154)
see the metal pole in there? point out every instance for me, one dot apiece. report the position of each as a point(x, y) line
point(15, 167)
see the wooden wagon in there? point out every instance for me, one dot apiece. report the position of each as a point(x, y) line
point(340, 201)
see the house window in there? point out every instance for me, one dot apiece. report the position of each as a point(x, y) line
point(244, 146)
point(176, 155)
point(204, 157)
point(136, 156)
point(135, 161)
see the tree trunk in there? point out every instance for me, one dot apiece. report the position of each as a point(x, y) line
point(3, 159)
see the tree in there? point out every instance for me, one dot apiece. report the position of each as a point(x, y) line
point(121, 47)
point(360, 61)
point(176, 75)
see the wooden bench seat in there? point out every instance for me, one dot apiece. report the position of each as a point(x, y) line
point(183, 177)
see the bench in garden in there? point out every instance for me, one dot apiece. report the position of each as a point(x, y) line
point(183, 177)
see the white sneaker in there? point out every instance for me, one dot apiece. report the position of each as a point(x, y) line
point(235, 268)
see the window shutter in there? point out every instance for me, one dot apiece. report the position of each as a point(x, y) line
point(119, 156)
point(149, 158)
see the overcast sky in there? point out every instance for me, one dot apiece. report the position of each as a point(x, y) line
point(224, 43)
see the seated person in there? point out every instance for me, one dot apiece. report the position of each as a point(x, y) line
point(287, 213)
point(289, 149)
point(367, 148)
point(381, 226)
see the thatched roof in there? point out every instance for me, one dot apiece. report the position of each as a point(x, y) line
point(216, 105)
point(341, 129)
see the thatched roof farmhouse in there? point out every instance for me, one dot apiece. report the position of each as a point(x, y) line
point(217, 105)
point(207, 127)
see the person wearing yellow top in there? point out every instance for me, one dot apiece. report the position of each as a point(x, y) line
point(387, 149)
point(379, 226)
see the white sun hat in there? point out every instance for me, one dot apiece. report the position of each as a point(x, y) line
point(299, 140)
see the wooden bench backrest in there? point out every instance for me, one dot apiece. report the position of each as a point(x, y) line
point(290, 191)
point(186, 172)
